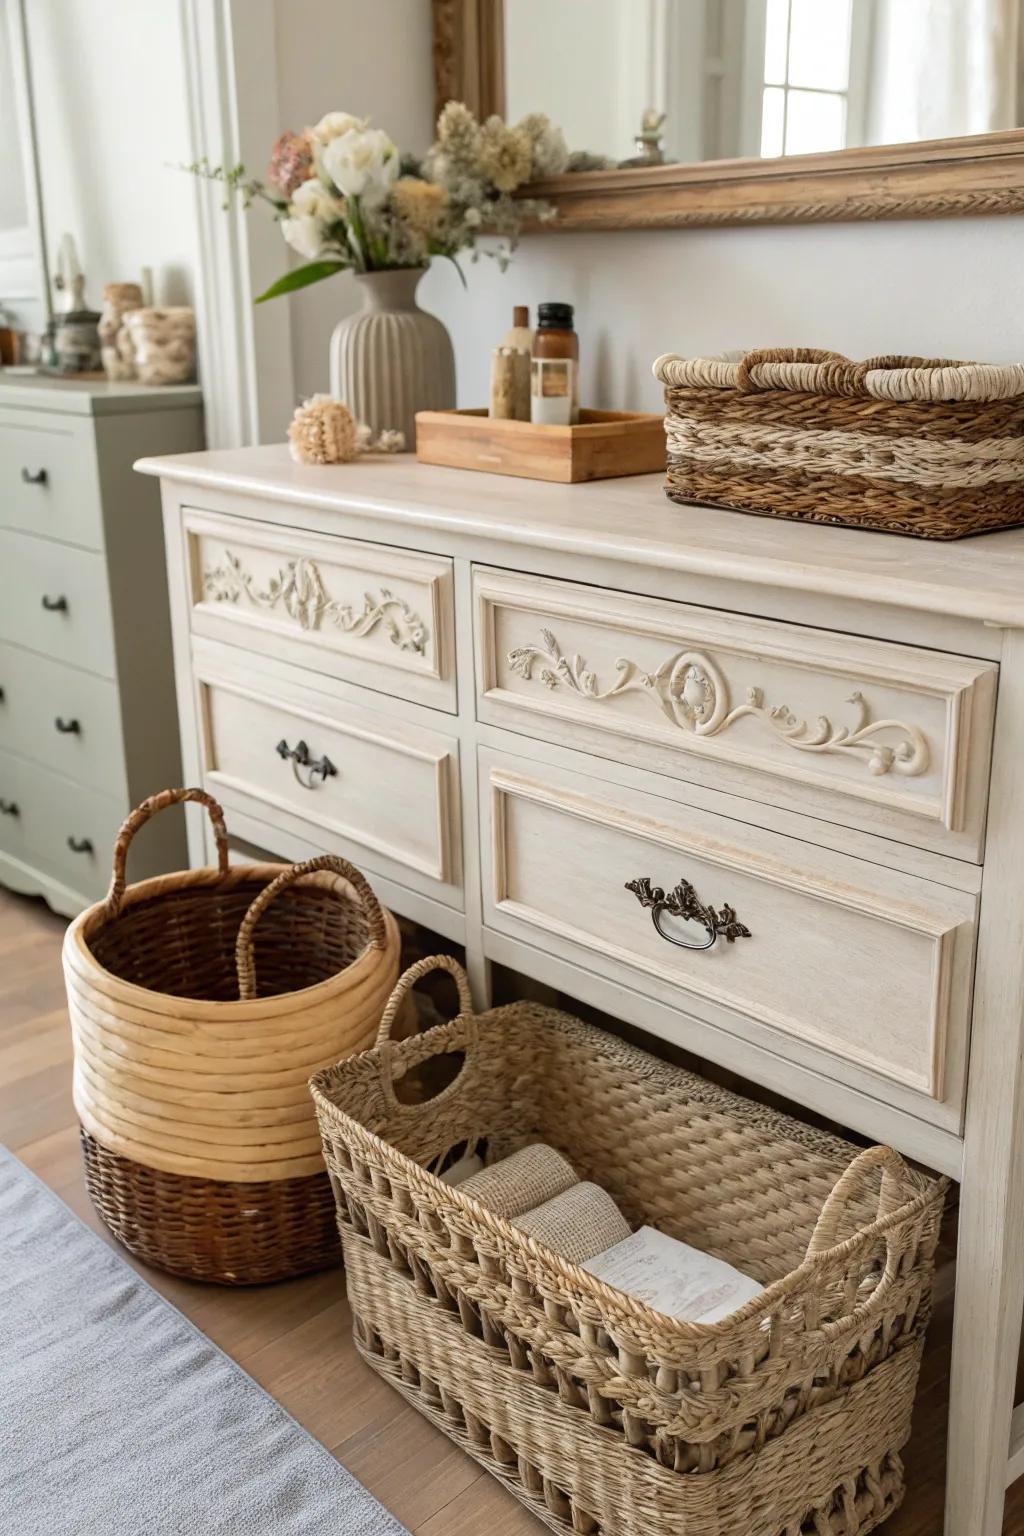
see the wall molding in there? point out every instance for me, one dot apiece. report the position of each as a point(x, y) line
point(230, 62)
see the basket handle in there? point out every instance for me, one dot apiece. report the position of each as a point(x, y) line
point(839, 376)
point(372, 911)
point(139, 817)
point(408, 980)
point(891, 1196)
point(897, 360)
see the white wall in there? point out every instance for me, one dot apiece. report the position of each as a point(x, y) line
point(948, 288)
point(370, 59)
point(941, 288)
point(111, 116)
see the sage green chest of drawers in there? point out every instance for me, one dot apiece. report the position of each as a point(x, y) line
point(88, 724)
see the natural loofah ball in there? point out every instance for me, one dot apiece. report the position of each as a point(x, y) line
point(323, 431)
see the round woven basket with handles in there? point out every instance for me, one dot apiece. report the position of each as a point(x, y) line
point(200, 1003)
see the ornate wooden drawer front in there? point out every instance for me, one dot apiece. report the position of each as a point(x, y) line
point(49, 479)
point(884, 737)
point(381, 617)
point(53, 824)
point(55, 599)
point(840, 964)
point(67, 720)
point(348, 778)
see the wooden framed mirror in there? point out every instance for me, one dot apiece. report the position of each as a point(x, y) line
point(773, 111)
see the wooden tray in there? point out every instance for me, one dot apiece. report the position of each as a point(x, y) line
point(604, 444)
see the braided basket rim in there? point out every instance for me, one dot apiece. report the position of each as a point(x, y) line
point(79, 956)
point(931, 381)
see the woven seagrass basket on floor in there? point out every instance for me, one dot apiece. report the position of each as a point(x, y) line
point(200, 1003)
point(897, 444)
point(602, 1415)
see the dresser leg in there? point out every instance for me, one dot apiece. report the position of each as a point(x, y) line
point(990, 1262)
point(986, 1340)
point(478, 969)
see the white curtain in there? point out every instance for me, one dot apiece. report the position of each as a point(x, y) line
point(944, 68)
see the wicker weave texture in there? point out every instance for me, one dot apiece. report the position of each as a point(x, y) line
point(200, 1003)
point(790, 1412)
point(207, 1229)
point(902, 445)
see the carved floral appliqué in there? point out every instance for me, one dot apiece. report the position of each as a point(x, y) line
point(694, 695)
point(299, 590)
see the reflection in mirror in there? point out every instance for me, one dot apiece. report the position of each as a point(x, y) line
point(24, 297)
point(13, 195)
point(738, 78)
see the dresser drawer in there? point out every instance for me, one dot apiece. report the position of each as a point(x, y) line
point(345, 776)
point(63, 718)
point(380, 617)
point(59, 827)
point(887, 738)
point(49, 478)
point(55, 599)
point(822, 956)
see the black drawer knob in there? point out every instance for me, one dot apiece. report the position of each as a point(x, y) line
point(9, 808)
point(55, 604)
point(34, 476)
point(80, 844)
point(67, 727)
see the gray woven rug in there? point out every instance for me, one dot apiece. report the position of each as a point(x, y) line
point(119, 1418)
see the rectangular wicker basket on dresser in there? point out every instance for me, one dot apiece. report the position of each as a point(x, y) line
point(906, 445)
point(603, 1416)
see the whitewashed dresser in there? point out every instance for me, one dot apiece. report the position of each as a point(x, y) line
point(752, 786)
point(87, 719)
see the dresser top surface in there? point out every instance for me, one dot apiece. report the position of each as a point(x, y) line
point(91, 397)
point(631, 520)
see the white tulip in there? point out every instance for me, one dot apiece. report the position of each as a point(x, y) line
point(313, 200)
point(334, 124)
point(361, 163)
point(305, 234)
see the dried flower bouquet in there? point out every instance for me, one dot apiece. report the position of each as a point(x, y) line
point(348, 201)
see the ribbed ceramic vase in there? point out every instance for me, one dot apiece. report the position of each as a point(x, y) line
point(391, 359)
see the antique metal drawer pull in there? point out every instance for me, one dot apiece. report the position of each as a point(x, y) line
point(80, 844)
point(67, 727)
point(684, 902)
point(34, 476)
point(320, 768)
point(9, 808)
point(55, 604)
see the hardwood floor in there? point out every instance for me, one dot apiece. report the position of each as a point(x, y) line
point(295, 1338)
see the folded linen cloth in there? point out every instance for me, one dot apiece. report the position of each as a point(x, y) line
point(576, 1224)
point(516, 1184)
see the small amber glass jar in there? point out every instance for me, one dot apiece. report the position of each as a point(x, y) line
point(554, 376)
